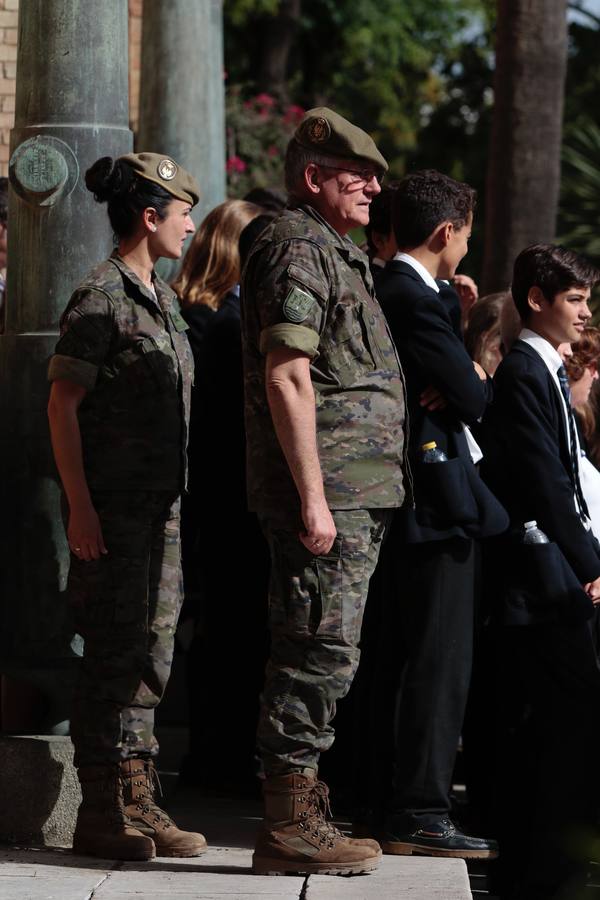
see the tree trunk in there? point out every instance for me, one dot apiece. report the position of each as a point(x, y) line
point(523, 176)
point(278, 36)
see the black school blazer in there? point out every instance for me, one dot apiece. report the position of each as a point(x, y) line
point(450, 499)
point(527, 465)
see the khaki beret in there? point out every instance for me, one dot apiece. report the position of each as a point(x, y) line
point(324, 131)
point(164, 171)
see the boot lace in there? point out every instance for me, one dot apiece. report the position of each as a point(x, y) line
point(315, 817)
point(149, 782)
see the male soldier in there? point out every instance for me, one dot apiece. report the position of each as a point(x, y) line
point(325, 420)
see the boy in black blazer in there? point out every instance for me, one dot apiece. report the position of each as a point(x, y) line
point(548, 676)
point(424, 664)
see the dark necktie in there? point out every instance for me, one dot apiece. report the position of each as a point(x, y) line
point(566, 392)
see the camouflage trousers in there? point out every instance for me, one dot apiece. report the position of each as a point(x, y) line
point(125, 606)
point(316, 606)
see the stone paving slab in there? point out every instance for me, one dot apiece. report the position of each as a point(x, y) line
point(398, 877)
point(220, 874)
point(49, 875)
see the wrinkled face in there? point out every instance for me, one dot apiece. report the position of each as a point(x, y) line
point(564, 319)
point(456, 248)
point(580, 390)
point(171, 232)
point(345, 194)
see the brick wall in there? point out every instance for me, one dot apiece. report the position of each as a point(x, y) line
point(135, 47)
point(8, 62)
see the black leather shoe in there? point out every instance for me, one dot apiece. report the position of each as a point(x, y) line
point(437, 839)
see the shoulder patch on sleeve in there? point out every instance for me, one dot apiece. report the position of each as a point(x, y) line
point(297, 305)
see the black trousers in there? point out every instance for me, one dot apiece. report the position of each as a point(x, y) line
point(547, 800)
point(422, 675)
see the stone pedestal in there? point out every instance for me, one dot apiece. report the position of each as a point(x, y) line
point(39, 790)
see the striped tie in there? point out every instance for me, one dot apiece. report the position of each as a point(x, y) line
point(566, 392)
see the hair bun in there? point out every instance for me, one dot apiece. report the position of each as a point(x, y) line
point(108, 179)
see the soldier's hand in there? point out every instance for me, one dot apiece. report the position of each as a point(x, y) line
point(85, 534)
point(320, 528)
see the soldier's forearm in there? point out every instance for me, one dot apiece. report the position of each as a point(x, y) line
point(68, 455)
point(292, 404)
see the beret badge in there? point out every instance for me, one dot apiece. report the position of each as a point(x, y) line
point(319, 130)
point(167, 169)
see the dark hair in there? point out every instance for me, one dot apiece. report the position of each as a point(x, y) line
point(127, 194)
point(423, 200)
point(552, 269)
point(251, 232)
point(270, 198)
point(380, 215)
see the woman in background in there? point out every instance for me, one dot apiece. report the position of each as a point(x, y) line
point(225, 566)
point(210, 272)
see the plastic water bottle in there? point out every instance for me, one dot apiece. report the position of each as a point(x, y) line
point(431, 453)
point(533, 534)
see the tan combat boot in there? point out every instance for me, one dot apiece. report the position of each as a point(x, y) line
point(138, 777)
point(296, 837)
point(102, 827)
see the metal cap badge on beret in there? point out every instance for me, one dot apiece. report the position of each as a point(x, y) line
point(327, 132)
point(163, 170)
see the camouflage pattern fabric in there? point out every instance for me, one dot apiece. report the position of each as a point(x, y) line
point(316, 606)
point(307, 288)
point(130, 351)
point(126, 606)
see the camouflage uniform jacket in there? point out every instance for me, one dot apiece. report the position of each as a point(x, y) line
point(306, 288)
point(130, 351)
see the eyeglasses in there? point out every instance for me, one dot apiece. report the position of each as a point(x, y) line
point(365, 175)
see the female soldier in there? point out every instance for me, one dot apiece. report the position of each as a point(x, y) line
point(119, 411)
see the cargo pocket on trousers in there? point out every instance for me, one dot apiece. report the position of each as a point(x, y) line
point(91, 609)
point(342, 573)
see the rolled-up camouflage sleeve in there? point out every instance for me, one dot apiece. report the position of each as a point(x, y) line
point(291, 289)
point(86, 332)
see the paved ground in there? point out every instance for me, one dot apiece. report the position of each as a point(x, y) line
point(220, 873)
point(223, 873)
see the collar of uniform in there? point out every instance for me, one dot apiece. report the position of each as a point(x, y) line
point(419, 268)
point(344, 243)
point(544, 348)
point(164, 294)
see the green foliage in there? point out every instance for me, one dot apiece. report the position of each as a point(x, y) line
point(419, 77)
point(580, 192)
point(377, 61)
point(579, 209)
point(239, 12)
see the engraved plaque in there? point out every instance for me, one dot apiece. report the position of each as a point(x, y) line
point(42, 169)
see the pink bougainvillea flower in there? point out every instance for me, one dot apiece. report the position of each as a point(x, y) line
point(264, 100)
point(235, 164)
point(272, 151)
point(293, 114)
